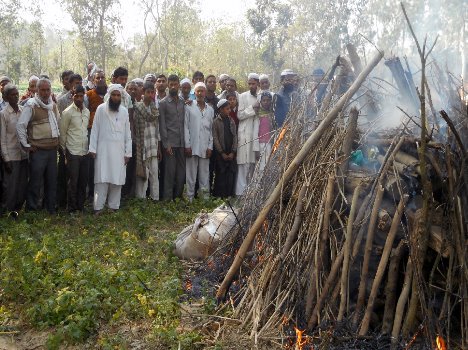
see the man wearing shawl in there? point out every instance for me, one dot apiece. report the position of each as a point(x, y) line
point(147, 138)
point(38, 132)
point(111, 147)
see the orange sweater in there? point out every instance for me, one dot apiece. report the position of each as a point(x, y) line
point(94, 101)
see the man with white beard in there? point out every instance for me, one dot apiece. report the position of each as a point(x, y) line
point(111, 147)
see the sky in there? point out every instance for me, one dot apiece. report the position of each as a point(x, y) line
point(217, 10)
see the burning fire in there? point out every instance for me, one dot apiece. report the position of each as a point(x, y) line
point(279, 139)
point(440, 343)
point(188, 286)
point(300, 339)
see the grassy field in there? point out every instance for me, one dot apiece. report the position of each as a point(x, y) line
point(86, 281)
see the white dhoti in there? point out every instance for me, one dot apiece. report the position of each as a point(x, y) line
point(141, 185)
point(106, 191)
point(196, 165)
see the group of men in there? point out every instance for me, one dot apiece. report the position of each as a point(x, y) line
point(148, 137)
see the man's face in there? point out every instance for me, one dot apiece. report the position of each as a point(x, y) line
point(140, 92)
point(78, 99)
point(266, 103)
point(44, 92)
point(222, 84)
point(211, 84)
point(185, 89)
point(13, 97)
point(99, 79)
point(264, 84)
point(253, 85)
point(3, 83)
point(65, 82)
point(173, 87)
point(197, 79)
point(132, 90)
point(232, 102)
point(230, 86)
point(32, 86)
point(200, 93)
point(90, 67)
point(149, 95)
point(122, 80)
point(289, 80)
point(75, 83)
point(225, 110)
point(161, 84)
point(116, 97)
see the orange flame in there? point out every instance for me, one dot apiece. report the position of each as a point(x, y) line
point(440, 343)
point(188, 285)
point(279, 139)
point(300, 340)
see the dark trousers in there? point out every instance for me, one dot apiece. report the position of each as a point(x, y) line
point(77, 171)
point(42, 166)
point(174, 173)
point(128, 189)
point(14, 185)
point(90, 172)
point(61, 180)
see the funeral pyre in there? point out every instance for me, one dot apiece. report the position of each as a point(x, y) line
point(354, 236)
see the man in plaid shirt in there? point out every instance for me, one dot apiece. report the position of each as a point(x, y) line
point(147, 140)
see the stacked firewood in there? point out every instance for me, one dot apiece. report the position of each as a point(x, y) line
point(347, 228)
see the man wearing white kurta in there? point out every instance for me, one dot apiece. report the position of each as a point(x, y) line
point(198, 141)
point(111, 146)
point(248, 145)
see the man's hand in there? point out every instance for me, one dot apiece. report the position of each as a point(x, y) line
point(188, 152)
point(232, 156)
point(225, 156)
point(168, 151)
point(126, 160)
point(188, 102)
point(7, 166)
point(208, 153)
point(31, 149)
point(92, 155)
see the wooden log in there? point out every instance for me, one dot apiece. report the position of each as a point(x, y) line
point(391, 288)
point(289, 173)
point(347, 146)
point(382, 266)
point(347, 253)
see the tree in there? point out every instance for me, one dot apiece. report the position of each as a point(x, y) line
point(10, 24)
point(96, 22)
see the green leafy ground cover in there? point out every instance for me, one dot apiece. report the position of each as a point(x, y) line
point(74, 276)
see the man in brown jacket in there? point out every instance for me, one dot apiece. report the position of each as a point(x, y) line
point(225, 144)
point(38, 133)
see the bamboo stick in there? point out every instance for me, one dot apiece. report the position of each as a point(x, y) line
point(289, 173)
point(402, 300)
point(367, 254)
point(390, 289)
point(382, 265)
point(347, 253)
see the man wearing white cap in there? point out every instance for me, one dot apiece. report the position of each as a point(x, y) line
point(198, 141)
point(111, 147)
point(282, 99)
point(185, 88)
point(248, 143)
point(222, 81)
